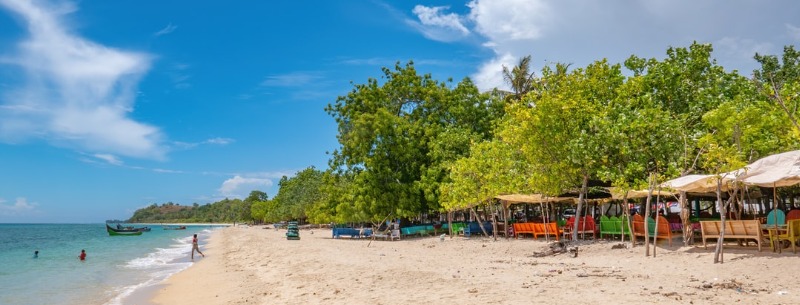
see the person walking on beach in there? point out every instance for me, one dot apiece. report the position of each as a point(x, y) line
point(83, 255)
point(195, 248)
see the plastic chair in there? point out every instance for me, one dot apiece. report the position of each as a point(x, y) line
point(793, 214)
point(792, 234)
point(776, 214)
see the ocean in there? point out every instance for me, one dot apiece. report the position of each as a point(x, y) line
point(115, 266)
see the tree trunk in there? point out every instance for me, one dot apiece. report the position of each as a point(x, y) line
point(581, 198)
point(626, 212)
point(450, 223)
point(545, 220)
point(480, 223)
point(647, 213)
point(718, 257)
point(688, 233)
point(505, 218)
point(494, 222)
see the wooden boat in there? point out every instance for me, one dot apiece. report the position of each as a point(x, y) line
point(116, 232)
point(175, 228)
point(144, 229)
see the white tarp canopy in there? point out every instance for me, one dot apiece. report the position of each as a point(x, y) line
point(531, 198)
point(696, 183)
point(773, 171)
point(617, 193)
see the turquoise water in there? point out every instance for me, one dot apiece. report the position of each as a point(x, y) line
point(115, 266)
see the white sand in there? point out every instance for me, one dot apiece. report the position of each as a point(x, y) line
point(259, 266)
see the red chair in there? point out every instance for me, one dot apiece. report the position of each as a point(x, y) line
point(793, 214)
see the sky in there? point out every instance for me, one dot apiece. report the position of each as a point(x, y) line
point(111, 106)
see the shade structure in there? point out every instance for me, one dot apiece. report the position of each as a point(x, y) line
point(618, 194)
point(698, 183)
point(777, 170)
point(532, 198)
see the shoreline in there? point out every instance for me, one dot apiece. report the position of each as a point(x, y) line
point(259, 266)
point(142, 295)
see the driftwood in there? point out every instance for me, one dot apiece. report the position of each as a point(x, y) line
point(557, 248)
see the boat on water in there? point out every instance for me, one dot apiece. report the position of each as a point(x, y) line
point(144, 229)
point(122, 232)
point(175, 228)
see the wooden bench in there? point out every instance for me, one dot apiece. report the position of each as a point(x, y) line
point(523, 228)
point(544, 229)
point(585, 225)
point(662, 232)
point(536, 229)
point(352, 232)
point(613, 226)
point(421, 230)
point(739, 229)
point(475, 228)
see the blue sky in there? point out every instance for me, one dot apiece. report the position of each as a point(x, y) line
point(109, 106)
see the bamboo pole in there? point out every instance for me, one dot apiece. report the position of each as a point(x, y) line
point(658, 216)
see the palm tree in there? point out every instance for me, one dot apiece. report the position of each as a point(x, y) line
point(520, 78)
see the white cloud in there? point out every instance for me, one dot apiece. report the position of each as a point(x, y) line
point(490, 73)
point(507, 20)
point(20, 206)
point(219, 141)
point(110, 159)
point(239, 187)
point(294, 79)
point(167, 171)
point(794, 32)
point(211, 141)
point(436, 25)
point(732, 49)
point(166, 30)
point(76, 93)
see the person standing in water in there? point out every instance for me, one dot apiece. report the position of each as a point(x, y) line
point(36, 254)
point(195, 247)
point(83, 255)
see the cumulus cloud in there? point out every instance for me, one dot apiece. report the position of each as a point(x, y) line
point(435, 24)
point(20, 206)
point(507, 20)
point(75, 93)
point(489, 76)
point(239, 187)
point(580, 33)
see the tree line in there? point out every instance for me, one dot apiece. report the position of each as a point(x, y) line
point(411, 145)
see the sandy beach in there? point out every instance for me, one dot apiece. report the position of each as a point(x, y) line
point(252, 265)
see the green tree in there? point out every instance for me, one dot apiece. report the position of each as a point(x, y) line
point(520, 78)
point(560, 136)
point(779, 81)
point(300, 193)
point(395, 137)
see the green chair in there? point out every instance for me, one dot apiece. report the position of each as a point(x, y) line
point(606, 226)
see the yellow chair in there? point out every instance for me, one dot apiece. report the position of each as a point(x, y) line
point(792, 234)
